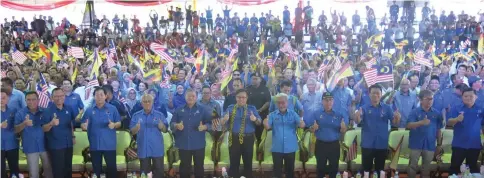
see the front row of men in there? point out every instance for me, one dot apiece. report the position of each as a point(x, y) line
point(190, 122)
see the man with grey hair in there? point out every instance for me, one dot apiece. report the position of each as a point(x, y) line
point(311, 99)
point(148, 125)
point(424, 123)
point(284, 124)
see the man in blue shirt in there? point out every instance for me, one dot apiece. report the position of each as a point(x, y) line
point(58, 127)
point(394, 12)
point(294, 103)
point(475, 82)
point(72, 100)
point(344, 99)
point(241, 120)
point(286, 16)
point(467, 120)
point(101, 121)
point(119, 106)
point(28, 122)
point(214, 108)
point(284, 124)
point(333, 124)
point(190, 140)
point(16, 98)
point(148, 124)
point(209, 19)
point(404, 101)
point(9, 138)
point(374, 120)
point(424, 123)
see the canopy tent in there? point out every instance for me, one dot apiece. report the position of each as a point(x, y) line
point(32, 6)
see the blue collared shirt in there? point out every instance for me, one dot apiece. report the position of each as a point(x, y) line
point(100, 136)
point(424, 137)
point(149, 138)
point(438, 101)
point(284, 126)
point(249, 125)
point(16, 100)
point(329, 124)
point(9, 138)
point(342, 101)
point(59, 136)
point(405, 103)
point(32, 136)
point(451, 99)
point(311, 101)
point(374, 126)
point(190, 138)
point(74, 101)
point(293, 104)
point(467, 134)
point(213, 105)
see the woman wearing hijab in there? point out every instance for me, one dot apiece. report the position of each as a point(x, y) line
point(131, 100)
point(126, 82)
point(178, 98)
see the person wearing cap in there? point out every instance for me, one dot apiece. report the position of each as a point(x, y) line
point(260, 97)
point(424, 123)
point(327, 125)
point(241, 119)
point(284, 124)
point(467, 121)
point(475, 82)
point(374, 119)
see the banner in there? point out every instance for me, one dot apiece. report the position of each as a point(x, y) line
point(138, 3)
point(35, 7)
point(246, 2)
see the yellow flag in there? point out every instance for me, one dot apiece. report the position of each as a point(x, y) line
point(235, 65)
point(194, 5)
point(289, 65)
point(261, 51)
point(298, 72)
point(437, 61)
point(74, 75)
point(480, 45)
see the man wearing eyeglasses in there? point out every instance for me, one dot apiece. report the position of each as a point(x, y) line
point(215, 109)
point(424, 123)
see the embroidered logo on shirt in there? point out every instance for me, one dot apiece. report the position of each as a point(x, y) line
point(182, 110)
point(197, 112)
point(67, 112)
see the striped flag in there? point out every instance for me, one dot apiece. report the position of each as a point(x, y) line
point(233, 52)
point(324, 66)
point(465, 44)
point(380, 74)
point(165, 53)
point(43, 83)
point(18, 56)
point(43, 96)
point(417, 68)
point(337, 63)
point(190, 59)
point(420, 59)
point(352, 150)
point(270, 62)
point(75, 52)
point(370, 63)
point(90, 85)
point(165, 83)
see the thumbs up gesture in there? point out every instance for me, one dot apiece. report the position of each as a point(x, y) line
point(252, 117)
point(226, 118)
point(79, 116)
point(426, 121)
point(460, 118)
point(301, 123)
point(179, 126)
point(84, 125)
point(202, 127)
point(4, 124)
point(161, 126)
point(315, 126)
point(27, 121)
point(55, 120)
point(138, 125)
point(396, 116)
point(111, 124)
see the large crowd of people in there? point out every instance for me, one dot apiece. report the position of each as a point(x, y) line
point(197, 71)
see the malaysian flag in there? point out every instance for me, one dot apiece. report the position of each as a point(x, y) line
point(190, 59)
point(90, 85)
point(337, 63)
point(420, 59)
point(165, 83)
point(75, 52)
point(382, 73)
point(270, 62)
point(417, 68)
point(168, 54)
point(18, 56)
point(324, 66)
point(43, 96)
point(352, 150)
point(370, 63)
point(43, 82)
point(112, 47)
